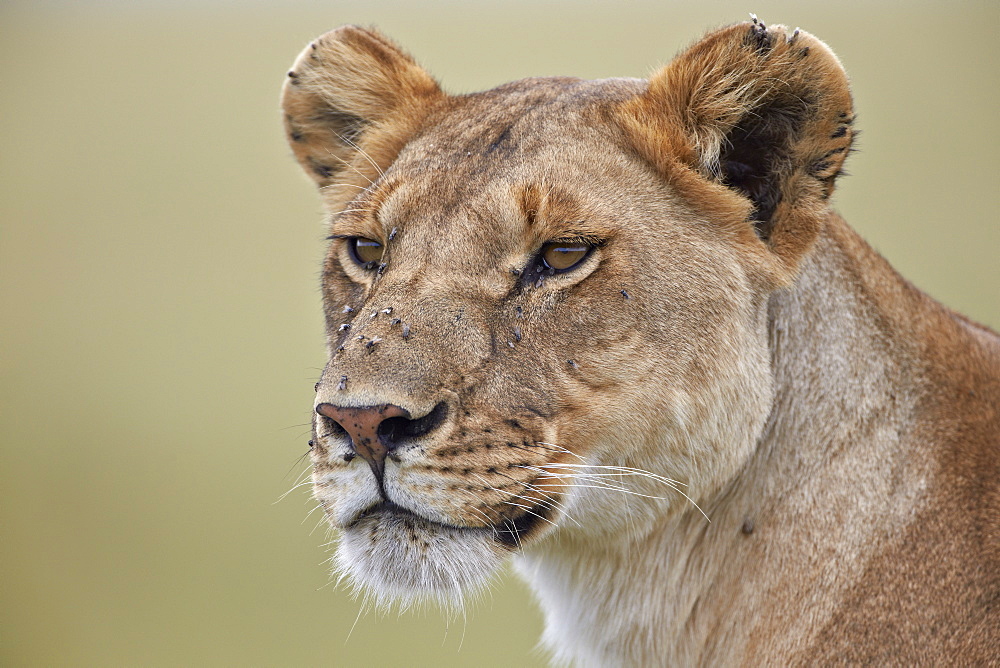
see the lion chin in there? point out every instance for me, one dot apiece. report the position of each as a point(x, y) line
point(402, 560)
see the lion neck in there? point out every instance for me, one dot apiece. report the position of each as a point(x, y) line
point(692, 591)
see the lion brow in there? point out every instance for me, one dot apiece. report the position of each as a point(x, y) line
point(575, 231)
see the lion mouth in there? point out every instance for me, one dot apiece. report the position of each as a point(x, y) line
point(510, 533)
point(390, 509)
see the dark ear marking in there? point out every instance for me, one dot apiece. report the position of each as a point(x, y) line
point(758, 36)
point(751, 156)
point(320, 170)
point(760, 109)
point(345, 126)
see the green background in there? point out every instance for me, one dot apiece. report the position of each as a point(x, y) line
point(159, 307)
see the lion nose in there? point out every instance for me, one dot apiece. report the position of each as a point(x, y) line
point(375, 431)
point(362, 426)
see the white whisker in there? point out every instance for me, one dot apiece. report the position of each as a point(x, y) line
point(573, 470)
point(349, 164)
point(517, 537)
point(293, 488)
point(619, 469)
point(562, 449)
point(343, 185)
point(528, 510)
point(548, 498)
point(356, 211)
point(363, 154)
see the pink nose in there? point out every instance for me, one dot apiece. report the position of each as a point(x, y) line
point(362, 425)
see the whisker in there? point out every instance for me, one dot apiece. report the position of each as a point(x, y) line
point(293, 426)
point(558, 448)
point(548, 497)
point(534, 447)
point(322, 522)
point(486, 518)
point(624, 470)
point(309, 514)
point(356, 211)
point(297, 462)
point(307, 471)
point(604, 487)
point(349, 164)
point(363, 153)
point(621, 469)
point(517, 537)
point(294, 487)
point(527, 509)
point(632, 493)
point(555, 503)
point(343, 185)
point(362, 608)
point(673, 484)
point(602, 483)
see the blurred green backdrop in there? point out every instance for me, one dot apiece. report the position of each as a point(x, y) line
point(160, 317)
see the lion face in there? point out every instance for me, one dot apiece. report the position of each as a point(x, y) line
point(536, 332)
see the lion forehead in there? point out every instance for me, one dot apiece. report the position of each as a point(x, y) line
point(529, 118)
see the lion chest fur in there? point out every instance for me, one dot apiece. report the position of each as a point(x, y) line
point(613, 329)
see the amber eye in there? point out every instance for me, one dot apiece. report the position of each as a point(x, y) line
point(563, 256)
point(364, 251)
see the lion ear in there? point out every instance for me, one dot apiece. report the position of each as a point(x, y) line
point(761, 111)
point(351, 101)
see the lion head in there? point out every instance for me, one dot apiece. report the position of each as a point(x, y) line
point(546, 303)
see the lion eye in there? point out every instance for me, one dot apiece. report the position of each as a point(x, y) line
point(364, 251)
point(563, 256)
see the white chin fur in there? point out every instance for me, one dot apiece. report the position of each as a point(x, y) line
point(402, 560)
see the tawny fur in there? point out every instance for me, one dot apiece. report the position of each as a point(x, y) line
point(728, 351)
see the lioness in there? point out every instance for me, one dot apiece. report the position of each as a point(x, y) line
point(613, 329)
